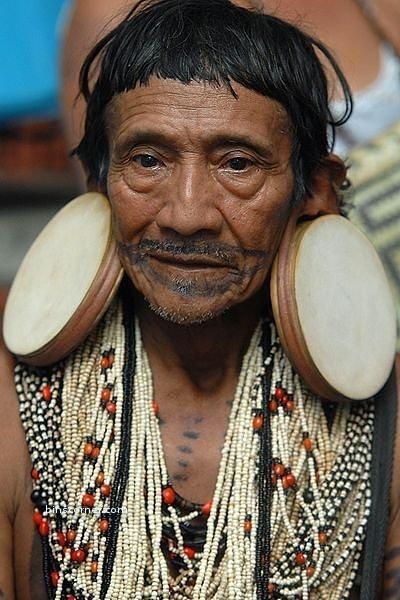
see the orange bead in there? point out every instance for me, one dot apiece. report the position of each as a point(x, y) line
point(95, 452)
point(279, 393)
point(206, 508)
point(190, 553)
point(156, 409)
point(103, 525)
point(273, 405)
point(61, 538)
point(78, 555)
point(290, 480)
point(44, 528)
point(37, 517)
point(307, 443)
point(111, 408)
point(87, 449)
point(273, 479)
point(111, 357)
point(300, 559)
point(100, 479)
point(105, 362)
point(94, 566)
point(71, 535)
point(247, 526)
point(310, 571)
point(35, 474)
point(271, 588)
point(105, 395)
point(54, 576)
point(289, 405)
point(258, 422)
point(323, 538)
point(168, 495)
point(105, 490)
point(46, 393)
point(88, 500)
point(279, 470)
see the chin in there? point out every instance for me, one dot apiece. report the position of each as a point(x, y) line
point(186, 316)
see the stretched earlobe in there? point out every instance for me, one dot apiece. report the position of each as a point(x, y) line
point(326, 185)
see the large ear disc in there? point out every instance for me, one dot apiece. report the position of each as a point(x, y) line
point(64, 284)
point(333, 308)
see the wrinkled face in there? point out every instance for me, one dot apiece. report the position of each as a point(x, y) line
point(200, 185)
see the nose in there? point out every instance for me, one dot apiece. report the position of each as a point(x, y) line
point(190, 202)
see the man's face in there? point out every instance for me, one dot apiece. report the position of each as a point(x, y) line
point(200, 185)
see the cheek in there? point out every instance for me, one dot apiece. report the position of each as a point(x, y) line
point(131, 214)
point(259, 229)
point(260, 222)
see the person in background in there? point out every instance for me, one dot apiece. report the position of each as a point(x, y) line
point(85, 21)
point(365, 41)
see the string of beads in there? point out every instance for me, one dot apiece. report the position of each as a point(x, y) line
point(94, 438)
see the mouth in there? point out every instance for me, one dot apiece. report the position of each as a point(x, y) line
point(207, 258)
point(189, 263)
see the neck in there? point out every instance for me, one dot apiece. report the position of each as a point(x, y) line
point(207, 353)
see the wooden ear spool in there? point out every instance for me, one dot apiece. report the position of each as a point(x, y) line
point(333, 308)
point(64, 284)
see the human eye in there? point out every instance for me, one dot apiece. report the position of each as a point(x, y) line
point(147, 161)
point(239, 163)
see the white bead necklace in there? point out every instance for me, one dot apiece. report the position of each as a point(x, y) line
point(93, 434)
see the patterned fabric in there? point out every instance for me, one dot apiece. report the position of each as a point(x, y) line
point(375, 194)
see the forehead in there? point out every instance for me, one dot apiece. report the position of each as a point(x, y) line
point(197, 110)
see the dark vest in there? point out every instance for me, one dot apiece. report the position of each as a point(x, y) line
point(381, 477)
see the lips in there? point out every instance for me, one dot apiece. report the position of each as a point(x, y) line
point(189, 262)
point(185, 256)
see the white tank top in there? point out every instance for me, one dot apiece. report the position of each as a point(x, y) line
point(376, 107)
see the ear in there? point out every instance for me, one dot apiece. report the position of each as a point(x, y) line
point(325, 188)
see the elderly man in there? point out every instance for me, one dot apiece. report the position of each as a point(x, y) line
point(181, 419)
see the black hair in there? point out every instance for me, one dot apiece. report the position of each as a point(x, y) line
point(216, 42)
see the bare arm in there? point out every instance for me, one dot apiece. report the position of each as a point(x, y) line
point(20, 560)
point(8, 466)
point(391, 582)
point(6, 568)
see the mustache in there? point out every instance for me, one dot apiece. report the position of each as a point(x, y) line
point(225, 253)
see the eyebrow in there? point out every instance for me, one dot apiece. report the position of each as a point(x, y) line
point(214, 142)
point(241, 141)
point(139, 137)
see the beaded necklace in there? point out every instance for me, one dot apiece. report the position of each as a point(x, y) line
point(291, 504)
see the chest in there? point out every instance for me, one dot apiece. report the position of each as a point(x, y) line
point(192, 441)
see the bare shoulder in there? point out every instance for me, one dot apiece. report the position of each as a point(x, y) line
point(386, 13)
point(391, 587)
point(20, 552)
point(9, 408)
